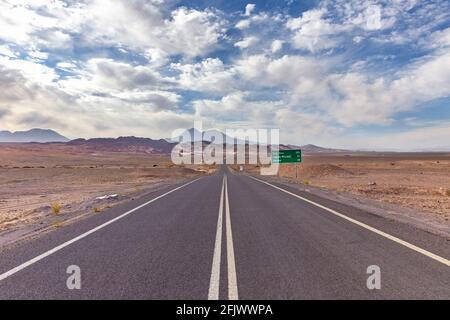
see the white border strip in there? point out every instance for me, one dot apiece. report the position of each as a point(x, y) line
point(84, 235)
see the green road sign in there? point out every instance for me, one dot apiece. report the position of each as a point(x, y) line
point(286, 156)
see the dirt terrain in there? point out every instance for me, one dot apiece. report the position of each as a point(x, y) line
point(38, 180)
point(42, 180)
point(416, 180)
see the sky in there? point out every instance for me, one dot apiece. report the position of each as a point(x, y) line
point(345, 74)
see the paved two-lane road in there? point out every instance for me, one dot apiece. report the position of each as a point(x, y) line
point(229, 236)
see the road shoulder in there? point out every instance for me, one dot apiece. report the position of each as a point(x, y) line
point(31, 231)
point(424, 221)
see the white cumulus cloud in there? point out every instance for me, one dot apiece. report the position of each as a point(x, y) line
point(246, 42)
point(249, 8)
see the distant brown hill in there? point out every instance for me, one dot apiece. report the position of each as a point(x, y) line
point(128, 144)
point(125, 144)
point(162, 146)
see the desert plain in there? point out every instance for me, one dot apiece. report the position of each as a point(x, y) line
point(41, 180)
point(420, 181)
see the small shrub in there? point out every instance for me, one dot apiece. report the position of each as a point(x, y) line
point(306, 182)
point(96, 209)
point(56, 208)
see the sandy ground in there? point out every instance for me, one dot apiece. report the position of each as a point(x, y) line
point(35, 180)
point(419, 181)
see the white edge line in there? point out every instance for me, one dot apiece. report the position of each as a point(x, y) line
point(232, 281)
point(214, 282)
point(81, 236)
point(379, 232)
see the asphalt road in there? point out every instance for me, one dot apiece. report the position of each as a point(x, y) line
point(229, 236)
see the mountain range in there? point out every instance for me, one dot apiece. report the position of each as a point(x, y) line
point(145, 145)
point(205, 136)
point(126, 144)
point(33, 135)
